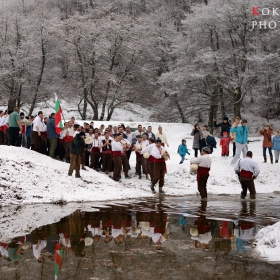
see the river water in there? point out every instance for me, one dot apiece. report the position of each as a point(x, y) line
point(160, 238)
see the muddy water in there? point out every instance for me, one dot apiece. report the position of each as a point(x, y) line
point(161, 238)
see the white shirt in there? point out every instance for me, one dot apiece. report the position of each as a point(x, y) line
point(129, 136)
point(247, 164)
point(203, 161)
point(6, 120)
point(38, 122)
point(69, 130)
point(116, 146)
point(96, 143)
point(156, 151)
point(41, 246)
point(75, 133)
point(148, 148)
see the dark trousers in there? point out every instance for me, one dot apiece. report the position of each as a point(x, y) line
point(13, 135)
point(141, 161)
point(87, 155)
point(37, 142)
point(125, 165)
point(1, 138)
point(107, 162)
point(159, 171)
point(6, 137)
point(94, 159)
point(128, 153)
point(117, 167)
point(202, 185)
point(150, 166)
point(269, 150)
point(247, 184)
point(67, 146)
point(196, 152)
point(83, 156)
point(234, 148)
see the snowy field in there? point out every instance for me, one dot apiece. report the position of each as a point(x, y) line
point(28, 177)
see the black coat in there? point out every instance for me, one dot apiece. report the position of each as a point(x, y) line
point(76, 145)
point(225, 127)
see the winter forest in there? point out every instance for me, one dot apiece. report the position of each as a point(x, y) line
point(198, 59)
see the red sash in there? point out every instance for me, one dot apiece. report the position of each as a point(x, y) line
point(108, 151)
point(151, 159)
point(138, 154)
point(95, 150)
point(61, 140)
point(246, 174)
point(202, 170)
point(68, 138)
point(117, 153)
point(5, 127)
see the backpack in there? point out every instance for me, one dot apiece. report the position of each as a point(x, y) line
point(211, 141)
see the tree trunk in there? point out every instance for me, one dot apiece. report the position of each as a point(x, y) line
point(12, 102)
point(212, 111)
point(43, 63)
point(237, 102)
point(84, 115)
point(222, 102)
point(179, 108)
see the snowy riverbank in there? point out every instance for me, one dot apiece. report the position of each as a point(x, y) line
point(29, 177)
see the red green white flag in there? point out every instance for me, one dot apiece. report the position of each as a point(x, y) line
point(58, 116)
point(58, 259)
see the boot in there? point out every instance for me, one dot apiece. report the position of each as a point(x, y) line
point(126, 175)
point(83, 167)
point(271, 159)
point(264, 159)
point(153, 188)
point(161, 190)
point(276, 161)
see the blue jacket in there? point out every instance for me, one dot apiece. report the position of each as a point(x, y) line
point(276, 143)
point(51, 129)
point(242, 133)
point(183, 150)
point(147, 133)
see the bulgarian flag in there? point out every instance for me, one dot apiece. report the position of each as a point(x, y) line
point(58, 116)
point(58, 259)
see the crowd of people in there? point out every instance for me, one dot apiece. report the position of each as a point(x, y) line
point(108, 150)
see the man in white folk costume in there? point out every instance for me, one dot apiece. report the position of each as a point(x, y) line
point(204, 164)
point(158, 152)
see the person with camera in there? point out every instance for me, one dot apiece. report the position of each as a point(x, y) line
point(197, 135)
point(247, 170)
point(267, 131)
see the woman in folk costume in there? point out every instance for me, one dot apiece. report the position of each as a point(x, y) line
point(267, 141)
point(159, 165)
point(162, 137)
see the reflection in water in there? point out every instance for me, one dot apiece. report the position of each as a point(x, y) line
point(132, 242)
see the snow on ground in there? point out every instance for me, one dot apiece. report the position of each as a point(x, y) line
point(29, 177)
point(268, 242)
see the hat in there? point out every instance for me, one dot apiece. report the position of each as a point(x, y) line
point(206, 149)
point(158, 140)
point(139, 136)
point(225, 118)
point(184, 140)
point(268, 124)
point(21, 114)
point(82, 133)
point(116, 134)
point(225, 133)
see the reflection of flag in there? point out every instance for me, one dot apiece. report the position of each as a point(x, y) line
point(58, 115)
point(58, 259)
